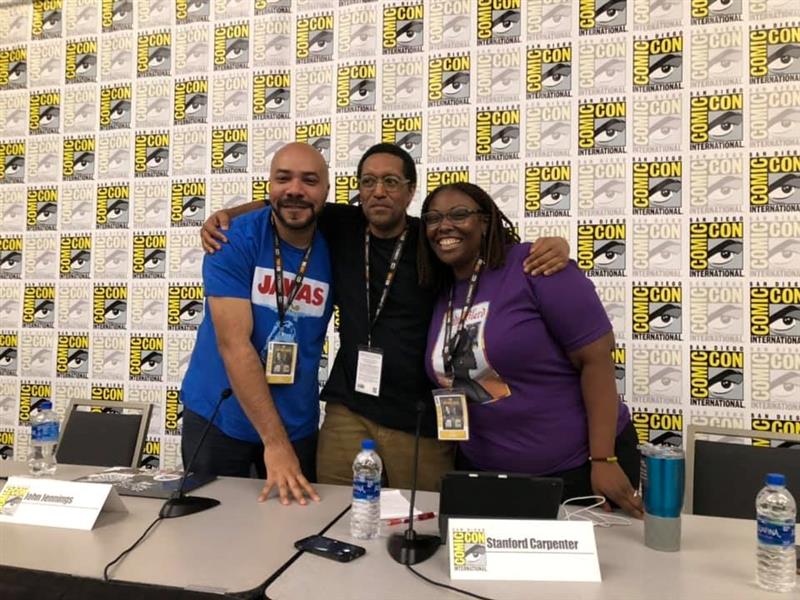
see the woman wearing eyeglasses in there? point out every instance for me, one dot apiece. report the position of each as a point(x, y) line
point(532, 355)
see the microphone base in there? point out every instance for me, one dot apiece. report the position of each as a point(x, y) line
point(409, 548)
point(186, 505)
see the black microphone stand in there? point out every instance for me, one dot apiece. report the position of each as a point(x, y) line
point(180, 505)
point(410, 548)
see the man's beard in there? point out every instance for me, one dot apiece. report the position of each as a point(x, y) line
point(302, 204)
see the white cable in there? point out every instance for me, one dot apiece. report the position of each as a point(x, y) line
point(587, 513)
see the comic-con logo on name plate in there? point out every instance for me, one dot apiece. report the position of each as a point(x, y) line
point(10, 257)
point(190, 104)
point(657, 187)
point(154, 54)
point(602, 127)
point(42, 209)
point(775, 183)
point(658, 426)
point(146, 358)
point(440, 176)
point(151, 154)
point(231, 46)
point(117, 15)
point(704, 12)
point(184, 307)
point(8, 353)
point(115, 106)
point(78, 158)
point(113, 206)
point(356, 87)
point(13, 68)
point(657, 312)
point(497, 133)
point(75, 257)
point(188, 203)
point(469, 550)
point(775, 314)
point(599, 17)
point(716, 248)
point(449, 79)
point(716, 121)
point(404, 131)
point(601, 248)
point(192, 11)
point(499, 21)
point(548, 72)
point(657, 63)
point(316, 134)
point(548, 190)
point(229, 150)
point(72, 356)
point(314, 39)
point(81, 61)
point(39, 306)
point(717, 377)
point(149, 255)
point(45, 112)
point(12, 161)
point(46, 19)
point(403, 28)
point(110, 306)
point(271, 95)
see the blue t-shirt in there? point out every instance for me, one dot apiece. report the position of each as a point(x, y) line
point(244, 268)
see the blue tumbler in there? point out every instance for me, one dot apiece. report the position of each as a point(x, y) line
point(663, 477)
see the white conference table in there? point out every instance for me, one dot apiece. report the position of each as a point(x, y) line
point(233, 547)
point(716, 561)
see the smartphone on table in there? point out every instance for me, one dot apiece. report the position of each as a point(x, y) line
point(330, 548)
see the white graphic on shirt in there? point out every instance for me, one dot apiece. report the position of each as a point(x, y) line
point(309, 302)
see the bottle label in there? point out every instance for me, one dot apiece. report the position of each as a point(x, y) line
point(45, 432)
point(775, 534)
point(366, 489)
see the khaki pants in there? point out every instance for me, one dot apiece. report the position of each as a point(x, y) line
point(340, 441)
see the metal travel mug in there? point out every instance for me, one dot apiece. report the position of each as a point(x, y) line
point(663, 478)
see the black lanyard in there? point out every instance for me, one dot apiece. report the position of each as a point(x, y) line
point(450, 345)
point(387, 284)
point(283, 304)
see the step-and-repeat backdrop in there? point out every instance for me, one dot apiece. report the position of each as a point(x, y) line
point(659, 136)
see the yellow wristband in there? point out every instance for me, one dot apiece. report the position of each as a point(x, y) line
point(605, 459)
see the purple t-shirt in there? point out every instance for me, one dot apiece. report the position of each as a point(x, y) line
point(533, 419)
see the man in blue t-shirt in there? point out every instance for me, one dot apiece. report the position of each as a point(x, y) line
point(252, 322)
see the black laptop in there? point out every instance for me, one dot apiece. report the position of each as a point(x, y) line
point(497, 496)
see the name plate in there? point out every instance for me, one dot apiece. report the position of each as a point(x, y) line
point(54, 503)
point(515, 550)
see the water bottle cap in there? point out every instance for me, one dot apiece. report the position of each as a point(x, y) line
point(775, 479)
point(46, 405)
point(368, 444)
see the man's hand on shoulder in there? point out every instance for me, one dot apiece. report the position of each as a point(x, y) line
point(212, 233)
point(548, 255)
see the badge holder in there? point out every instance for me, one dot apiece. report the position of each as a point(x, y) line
point(281, 360)
point(452, 416)
point(368, 370)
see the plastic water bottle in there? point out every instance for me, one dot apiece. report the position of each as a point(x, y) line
point(44, 440)
point(776, 514)
point(365, 513)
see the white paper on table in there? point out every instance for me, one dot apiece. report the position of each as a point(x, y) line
point(395, 506)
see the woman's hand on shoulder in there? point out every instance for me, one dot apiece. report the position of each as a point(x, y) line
point(548, 255)
point(610, 481)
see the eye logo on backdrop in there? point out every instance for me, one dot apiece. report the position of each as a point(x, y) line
point(46, 19)
point(259, 190)
point(449, 79)
point(149, 255)
point(704, 12)
point(113, 205)
point(42, 209)
point(345, 188)
point(146, 358)
point(717, 311)
point(228, 150)
point(314, 40)
point(715, 248)
point(547, 190)
point(192, 11)
point(266, 7)
point(600, 17)
point(13, 68)
point(108, 393)
point(716, 57)
point(151, 154)
point(8, 354)
point(316, 134)
point(774, 314)
point(717, 377)
point(437, 177)
point(31, 395)
point(601, 248)
point(76, 256)
point(780, 423)
point(173, 412)
point(657, 63)
point(497, 133)
point(448, 24)
point(39, 306)
point(658, 426)
point(72, 356)
point(191, 101)
point(188, 203)
point(154, 54)
point(775, 116)
point(184, 307)
point(78, 158)
point(499, 21)
point(117, 15)
point(774, 379)
point(657, 187)
point(657, 312)
point(45, 110)
point(81, 61)
point(403, 28)
point(548, 72)
point(271, 95)
point(404, 131)
point(11, 257)
point(716, 120)
point(231, 46)
point(601, 127)
point(110, 306)
point(355, 87)
point(12, 161)
point(774, 183)
point(115, 106)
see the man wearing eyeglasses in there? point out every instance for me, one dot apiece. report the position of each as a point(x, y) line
point(378, 378)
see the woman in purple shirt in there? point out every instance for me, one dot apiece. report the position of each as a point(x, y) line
point(532, 355)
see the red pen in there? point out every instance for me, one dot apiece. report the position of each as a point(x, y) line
point(421, 517)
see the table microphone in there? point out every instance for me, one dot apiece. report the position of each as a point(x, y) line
point(180, 505)
point(409, 548)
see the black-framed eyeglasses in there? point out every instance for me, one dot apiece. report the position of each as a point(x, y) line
point(391, 183)
point(454, 215)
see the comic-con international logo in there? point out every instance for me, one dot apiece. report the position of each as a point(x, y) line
point(146, 358)
point(404, 131)
point(7, 444)
point(151, 154)
point(149, 255)
point(42, 209)
point(345, 186)
point(775, 378)
point(658, 426)
point(188, 203)
point(657, 187)
point(265, 7)
point(173, 412)
point(775, 314)
point(497, 134)
point(192, 11)
point(448, 79)
point(184, 307)
point(229, 150)
point(108, 393)
point(717, 378)
point(10, 257)
point(151, 453)
point(618, 357)
point(110, 306)
point(115, 106)
point(775, 183)
point(403, 28)
point(113, 205)
point(601, 127)
point(774, 115)
point(657, 312)
point(259, 190)
point(191, 101)
point(46, 19)
point(231, 46)
point(75, 257)
point(8, 353)
point(548, 72)
point(775, 424)
point(31, 395)
point(314, 40)
point(72, 356)
point(716, 248)
point(469, 550)
point(116, 15)
point(154, 54)
point(13, 68)
point(271, 95)
point(81, 61)
point(704, 12)
point(716, 121)
point(657, 63)
point(601, 248)
point(78, 158)
point(547, 190)
point(775, 54)
point(437, 177)
point(39, 306)
point(316, 134)
point(499, 21)
point(602, 16)
point(355, 87)
point(12, 161)
point(45, 112)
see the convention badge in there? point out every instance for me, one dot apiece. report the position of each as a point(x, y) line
point(452, 416)
point(368, 370)
point(281, 362)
